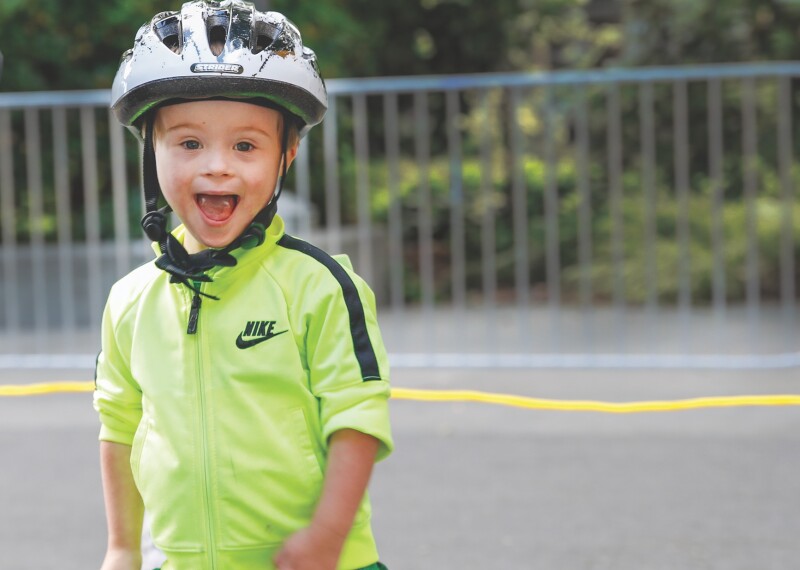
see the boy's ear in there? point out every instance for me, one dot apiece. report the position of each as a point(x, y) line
point(291, 154)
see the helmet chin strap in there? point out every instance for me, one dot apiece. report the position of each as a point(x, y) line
point(183, 267)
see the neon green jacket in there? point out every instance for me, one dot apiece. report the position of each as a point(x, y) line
point(229, 425)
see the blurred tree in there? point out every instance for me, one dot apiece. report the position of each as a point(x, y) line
point(668, 32)
point(50, 44)
point(399, 37)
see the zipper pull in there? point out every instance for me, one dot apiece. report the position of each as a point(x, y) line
point(194, 313)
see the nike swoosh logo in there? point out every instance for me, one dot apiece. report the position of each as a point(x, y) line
point(241, 343)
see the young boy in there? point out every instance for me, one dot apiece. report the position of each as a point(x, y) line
point(243, 384)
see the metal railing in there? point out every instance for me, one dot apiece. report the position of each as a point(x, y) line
point(623, 218)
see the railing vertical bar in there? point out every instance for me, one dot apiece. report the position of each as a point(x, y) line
point(551, 210)
point(681, 164)
point(615, 197)
point(647, 131)
point(396, 289)
point(458, 277)
point(333, 199)
point(457, 236)
point(584, 216)
point(303, 180)
point(488, 241)
point(422, 146)
point(363, 210)
point(9, 248)
point(749, 143)
point(719, 295)
point(33, 166)
point(519, 205)
point(92, 212)
point(119, 191)
point(787, 264)
point(66, 287)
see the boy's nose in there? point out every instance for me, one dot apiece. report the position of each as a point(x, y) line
point(217, 163)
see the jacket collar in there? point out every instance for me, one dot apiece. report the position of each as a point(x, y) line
point(243, 256)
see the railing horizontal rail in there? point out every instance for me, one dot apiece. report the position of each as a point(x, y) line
point(50, 99)
point(411, 84)
point(584, 77)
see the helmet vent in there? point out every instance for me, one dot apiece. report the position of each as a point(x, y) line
point(262, 43)
point(216, 39)
point(173, 43)
point(265, 33)
point(128, 54)
point(217, 22)
point(167, 27)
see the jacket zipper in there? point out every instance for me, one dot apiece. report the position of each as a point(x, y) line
point(193, 315)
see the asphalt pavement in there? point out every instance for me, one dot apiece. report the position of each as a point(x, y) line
point(479, 486)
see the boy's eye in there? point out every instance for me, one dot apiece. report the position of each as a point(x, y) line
point(190, 145)
point(244, 146)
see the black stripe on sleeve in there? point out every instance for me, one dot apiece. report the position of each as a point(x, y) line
point(365, 354)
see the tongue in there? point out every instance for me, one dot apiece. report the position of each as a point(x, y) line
point(218, 208)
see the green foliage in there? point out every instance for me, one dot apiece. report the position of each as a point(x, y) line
point(667, 32)
point(670, 260)
point(49, 44)
point(649, 267)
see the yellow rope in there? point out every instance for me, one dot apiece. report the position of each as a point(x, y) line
point(490, 398)
point(45, 388)
point(591, 406)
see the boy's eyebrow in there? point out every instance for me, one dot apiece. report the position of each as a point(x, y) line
point(257, 129)
point(189, 125)
point(169, 128)
point(179, 126)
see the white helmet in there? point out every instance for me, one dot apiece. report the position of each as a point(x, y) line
point(214, 50)
point(263, 57)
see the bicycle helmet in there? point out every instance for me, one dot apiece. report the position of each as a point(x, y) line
point(263, 57)
point(214, 50)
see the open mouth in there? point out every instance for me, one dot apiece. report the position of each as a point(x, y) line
point(217, 207)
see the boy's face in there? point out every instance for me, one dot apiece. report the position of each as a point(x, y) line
point(217, 163)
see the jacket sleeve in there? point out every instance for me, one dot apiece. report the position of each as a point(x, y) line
point(347, 361)
point(117, 396)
